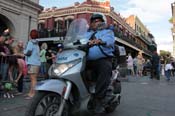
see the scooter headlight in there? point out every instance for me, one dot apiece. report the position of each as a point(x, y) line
point(59, 69)
point(62, 68)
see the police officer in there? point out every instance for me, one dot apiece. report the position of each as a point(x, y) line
point(99, 57)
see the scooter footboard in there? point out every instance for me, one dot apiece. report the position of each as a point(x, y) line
point(52, 85)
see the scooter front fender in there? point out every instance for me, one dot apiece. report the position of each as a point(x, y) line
point(51, 85)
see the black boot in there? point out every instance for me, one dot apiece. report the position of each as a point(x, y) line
point(91, 103)
point(99, 108)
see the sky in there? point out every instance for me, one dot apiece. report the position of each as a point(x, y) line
point(154, 14)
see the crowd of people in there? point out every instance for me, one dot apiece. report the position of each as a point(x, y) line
point(18, 61)
point(135, 65)
point(10, 58)
point(156, 66)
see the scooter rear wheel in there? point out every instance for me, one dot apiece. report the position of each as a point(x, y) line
point(46, 104)
point(111, 107)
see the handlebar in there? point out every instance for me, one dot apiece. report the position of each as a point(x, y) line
point(87, 46)
point(101, 43)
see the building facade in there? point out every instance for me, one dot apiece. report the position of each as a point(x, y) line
point(173, 28)
point(19, 17)
point(142, 33)
point(54, 22)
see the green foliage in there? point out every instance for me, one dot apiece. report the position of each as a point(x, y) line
point(164, 53)
point(171, 20)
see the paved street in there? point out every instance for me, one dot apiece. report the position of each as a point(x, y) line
point(140, 97)
point(146, 97)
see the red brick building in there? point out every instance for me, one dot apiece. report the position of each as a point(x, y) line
point(54, 22)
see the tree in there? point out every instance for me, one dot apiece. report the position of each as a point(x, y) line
point(164, 53)
point(171, 20)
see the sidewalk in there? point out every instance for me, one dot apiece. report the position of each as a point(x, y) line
point(16, 106)
point(10, 107)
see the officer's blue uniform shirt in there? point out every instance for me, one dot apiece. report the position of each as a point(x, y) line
point(107, 36)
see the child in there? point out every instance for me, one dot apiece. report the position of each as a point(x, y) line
point(8, 87)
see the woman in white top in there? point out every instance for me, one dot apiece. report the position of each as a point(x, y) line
point(130, 65)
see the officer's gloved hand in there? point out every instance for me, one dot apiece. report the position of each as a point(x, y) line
point(98, 41)
point(95, 42)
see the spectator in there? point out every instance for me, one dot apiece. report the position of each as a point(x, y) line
point(19, 64)
point(168, 67)
point(6, 50)
point(53, 56)
point(18, 49)
point(8, 45)
point(32, 53)
point(162, 63)
point(60, 49)
point(50, 57)
point(155, 61)
point(43, 59)
point(135, 65)
point(2, 55)
point(140, 62)
point(173, 68)
point(130, 64)
point(2, 50)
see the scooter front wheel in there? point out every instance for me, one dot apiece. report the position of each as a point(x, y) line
point(46, 104)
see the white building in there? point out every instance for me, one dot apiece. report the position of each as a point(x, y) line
point(173, 28)
point(19, 16)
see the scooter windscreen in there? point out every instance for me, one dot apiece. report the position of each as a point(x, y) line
point(76, 32)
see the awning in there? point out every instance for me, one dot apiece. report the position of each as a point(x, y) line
point(126, 43)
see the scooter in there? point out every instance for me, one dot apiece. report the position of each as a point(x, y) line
point(68, 92)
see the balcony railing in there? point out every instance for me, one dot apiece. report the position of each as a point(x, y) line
point(119, 34)
point(46, 34)
point(132, 42)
